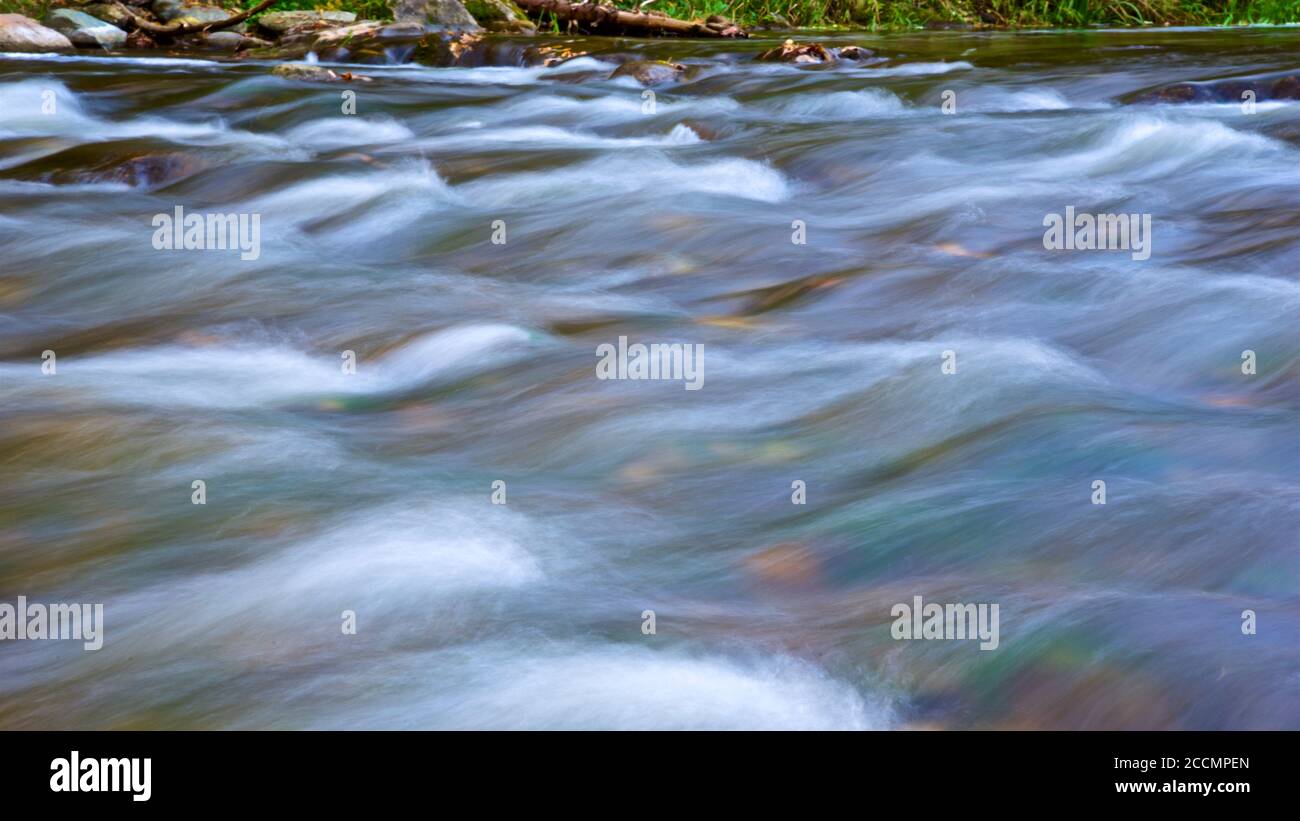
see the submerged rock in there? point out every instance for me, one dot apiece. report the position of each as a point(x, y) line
point(1287, 132)
point(85, 31)
point(853, 53)
point(313, 73)
point(19, 33)
point(304, 71)
point(1274, 86)
point(650, 72)
point(278, 22)
point(138, 162)
point(448, 14)
point(550, 55)
point(145, 171)
point(448, 48)
point(792, 52)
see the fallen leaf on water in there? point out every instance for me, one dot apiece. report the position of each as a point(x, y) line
point(12, 292)
point(422, 419)
point(198, 339)
point(653, 466)
point(1229, 401)
point(779, 452)
point(740, 322)
point(956, 250)
point(788, 563)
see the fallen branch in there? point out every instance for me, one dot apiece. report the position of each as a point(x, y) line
point(593, 18)
point(177, 29)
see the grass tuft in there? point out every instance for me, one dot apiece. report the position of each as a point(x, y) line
point(881, 14)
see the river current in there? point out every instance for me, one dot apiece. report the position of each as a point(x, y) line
point(884, 337)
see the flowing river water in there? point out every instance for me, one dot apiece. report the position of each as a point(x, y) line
point(371, 491)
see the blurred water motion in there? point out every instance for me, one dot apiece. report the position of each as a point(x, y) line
point(370, 492)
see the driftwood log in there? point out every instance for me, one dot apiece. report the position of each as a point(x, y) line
point(592, 18)
point(177, 28)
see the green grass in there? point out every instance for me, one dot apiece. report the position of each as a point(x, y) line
point(886, 14)
point(903, 14)
point(365, 9)
point(35, 9)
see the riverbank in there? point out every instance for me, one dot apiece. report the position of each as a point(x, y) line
point(899, 15)
point(876, 15)
point(441, 33)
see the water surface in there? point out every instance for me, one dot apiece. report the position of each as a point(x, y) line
point(370, 492)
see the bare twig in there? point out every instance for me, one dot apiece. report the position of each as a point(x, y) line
point(594, 18)
point(177, 28)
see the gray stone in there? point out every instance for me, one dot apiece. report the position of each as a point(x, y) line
point(110, 13)
point(19, 33)
point(369, 41)
point(650, 72)
point(165, 10)
point(312, 73)
point(278, 22)
point(500, 16)
point(85, 31)
point(305, 71)
point(169, 10)
point(447, 14)
point(225, 41)
point(1282, 85)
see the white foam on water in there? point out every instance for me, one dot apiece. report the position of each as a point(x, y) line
point(625, 687)
point(376, 202)
point(1229, 110)
point(913, 69)
point(585, 63)
point(644, 173)
point(454, 348)
point(391, 565)
point(605, 110)
point(243, 376)
point(992, 99)
point(482, 75)
point(1144, 146)
point(553, 137)
point(21, 115)
point(33, 187)
point(842, 105)
point(82, 57)
point(999, 376)
point(406, 552)
point(339, 132)
point(683, 134)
